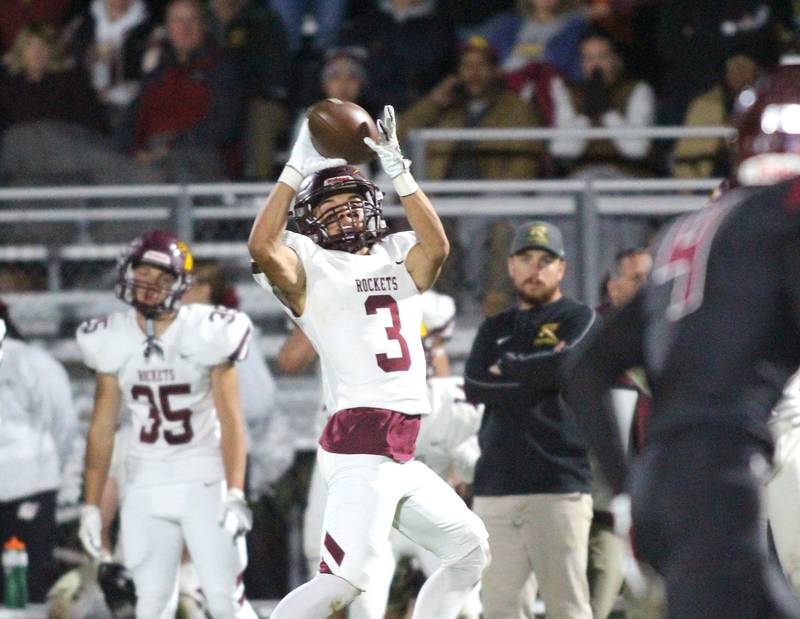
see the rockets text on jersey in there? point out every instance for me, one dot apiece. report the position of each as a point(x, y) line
point(168, 394)
point(363, 314)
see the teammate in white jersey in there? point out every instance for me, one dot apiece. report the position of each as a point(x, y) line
point(173, 367)
point(782, 492)
point(355, 292)
point(2, 337)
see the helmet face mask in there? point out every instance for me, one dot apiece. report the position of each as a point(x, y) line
point(767, 147)
point(167, 255)
point(348, 224)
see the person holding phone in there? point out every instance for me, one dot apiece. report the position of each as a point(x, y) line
point(476, 96)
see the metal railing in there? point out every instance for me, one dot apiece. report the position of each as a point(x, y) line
point(587, 201)
point(418, 139)
point(187, 208)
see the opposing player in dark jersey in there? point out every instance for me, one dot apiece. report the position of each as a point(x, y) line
point(717, 329)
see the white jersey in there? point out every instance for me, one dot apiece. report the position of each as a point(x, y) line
point(444, 435)
point(39, 421)
point(169, 393)
point(363, 314)
point(2, 336)
point(788, 408)
point(438, 314)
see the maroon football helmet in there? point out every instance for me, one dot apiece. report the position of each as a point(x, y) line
point(160, 249)
point(767, 116)
point(360, 221)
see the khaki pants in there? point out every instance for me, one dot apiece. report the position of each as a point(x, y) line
point(606, 573)
point(547, 534)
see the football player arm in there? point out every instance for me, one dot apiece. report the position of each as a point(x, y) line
point(440, 361)
point(100, 441)
point(276, 260)
point(541, 371)
point(109, 505)
point(296, 354)
point(225, 390)
point(424, 260)
point(589, 377)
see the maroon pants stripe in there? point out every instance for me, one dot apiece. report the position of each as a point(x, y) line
point(332, 547)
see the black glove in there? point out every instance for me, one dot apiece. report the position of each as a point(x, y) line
point(118, 589)
point(596, 95)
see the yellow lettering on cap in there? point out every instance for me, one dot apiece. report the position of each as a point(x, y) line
point(538, 234)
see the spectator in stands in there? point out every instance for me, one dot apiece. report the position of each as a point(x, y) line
point(255, 40)
point(16, 15)
point(411, 47)
point(708, 157)
point(109, 41)
point(630, 397)
point(470, 13)
point(328, 16)
point(532, 478)
point(606, 97)
point(41, 82)
point(188, 105)
point(53, 119)
point(476, 96)
point(343, 76)
point(540, 32)
point(39, 422)
point(694, 38)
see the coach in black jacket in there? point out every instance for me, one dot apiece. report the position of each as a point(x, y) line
point(532, 479)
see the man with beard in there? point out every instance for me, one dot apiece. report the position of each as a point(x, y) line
point(532, 479)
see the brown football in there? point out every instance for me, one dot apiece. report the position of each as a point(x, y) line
point(338, 129)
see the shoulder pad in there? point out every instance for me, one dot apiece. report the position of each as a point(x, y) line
point(98, 341)
point(223, 334)
point(399, 244)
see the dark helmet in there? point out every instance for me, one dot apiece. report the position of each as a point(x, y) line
point(160, 249)
point(767, 116)
point(329, 182)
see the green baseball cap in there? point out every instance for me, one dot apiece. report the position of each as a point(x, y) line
point(538, 235)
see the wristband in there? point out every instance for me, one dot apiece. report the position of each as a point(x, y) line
point(404, 184)
point(236, 493)
point(290, 176)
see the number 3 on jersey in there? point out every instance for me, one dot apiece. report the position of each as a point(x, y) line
point(183, 415)
point(372, 304)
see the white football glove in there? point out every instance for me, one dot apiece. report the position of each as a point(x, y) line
point(89, 531)
point(620, 508)
point(387, 147)
point(235, 516)
point(304, 160)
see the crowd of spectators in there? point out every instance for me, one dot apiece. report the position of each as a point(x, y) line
point(201, 90)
